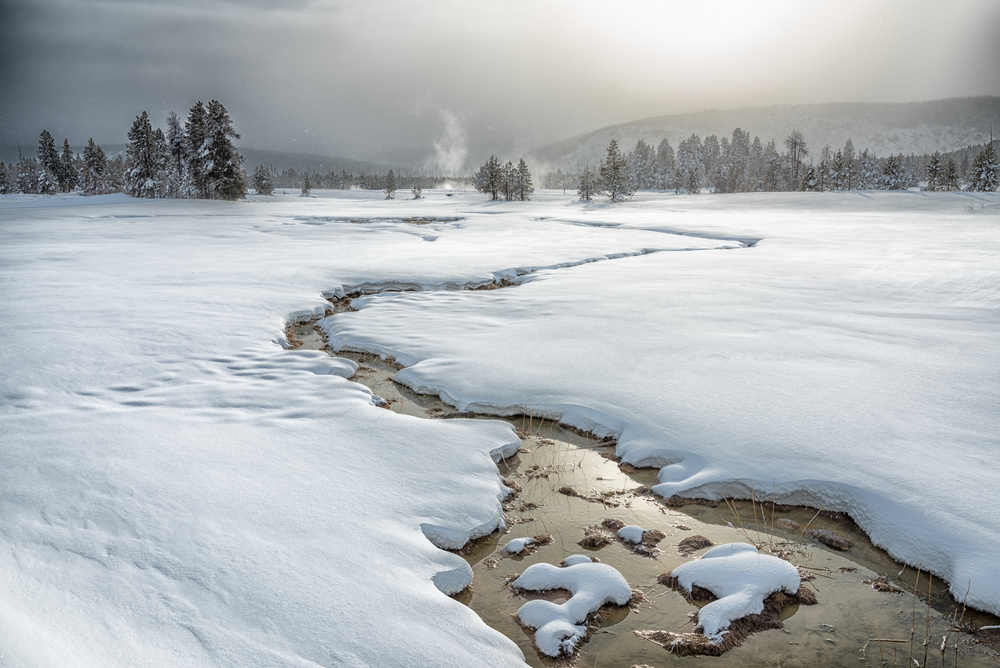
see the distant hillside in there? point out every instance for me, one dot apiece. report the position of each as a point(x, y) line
point(885, 128)
point(306, 162)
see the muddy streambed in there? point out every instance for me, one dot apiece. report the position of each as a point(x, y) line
point(569, 481)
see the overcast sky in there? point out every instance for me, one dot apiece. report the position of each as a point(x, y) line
point(336, 77)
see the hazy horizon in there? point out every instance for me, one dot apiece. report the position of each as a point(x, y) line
point(338, 78)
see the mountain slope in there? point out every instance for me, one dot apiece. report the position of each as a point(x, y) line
point(885, 128)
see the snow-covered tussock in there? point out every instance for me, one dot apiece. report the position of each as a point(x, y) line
point(741, 578)
point(559, 626)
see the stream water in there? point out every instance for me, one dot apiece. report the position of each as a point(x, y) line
point(853, 624)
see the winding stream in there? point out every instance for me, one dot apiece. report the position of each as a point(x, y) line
point(852, 625)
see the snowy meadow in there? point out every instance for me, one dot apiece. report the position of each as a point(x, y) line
point(178, 488)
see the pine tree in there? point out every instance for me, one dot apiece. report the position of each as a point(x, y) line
point(665, 166)
point(417, 191)
point(196, 140)
point(144, 160)
point(306, 185)
point(67, 175)
point(642, 164)
point(48, 157)
point(893, 176)
point(95, 163)
point(5, 180)
point(48, 161)
point(489, 178)
point(225, 176)
point(985, 170)
point(176, 175)
point(950, 178)
point(809, 182)
point(773, 178)
point(262, 181)
point(27, 176)
point(115, 174)
point(935, 173)
point(850, 167)
point(586, 188)
point(797, 150)
point(734, 164)
point(711, 156)
point(390, 185)
point(614, 175)
point(689, 166)
point(869, 172)
point(838, 180)
point(524, 185)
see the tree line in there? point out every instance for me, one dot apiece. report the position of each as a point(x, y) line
point(742, 164)
point(195, 160)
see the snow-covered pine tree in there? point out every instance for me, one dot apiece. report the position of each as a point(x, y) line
point(306, 185)
point(224, 172)
point(48, 161)
point(985, 170)
point(143, 162)
point(5, 180)
point(614, 175)
point(734, 164)
point(810, 183)
point(262, 181)
point(772, 179)
point(757, 168)
point(68, 177)
point(508, 177)
point(665, 166)
point(797, 151)
point(586, 187)
point(489, 178)
point(869, 172)
point(48, 157)
point(949, 180)
point(417, 191)
point(524, 184)
point(711, 156)
point(27, 174)
point(850, 167)
point(689, 176)
point(390, 185)
point(115, 174)
point(196, 140)
point(95, 163)
point(838, 179)
point(176, 176)
point(935, 173)
point(642, 165)
point(893, 177)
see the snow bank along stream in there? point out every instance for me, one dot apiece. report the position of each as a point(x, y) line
point(569, 480)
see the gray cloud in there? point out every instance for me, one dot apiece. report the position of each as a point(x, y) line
point(364, 78)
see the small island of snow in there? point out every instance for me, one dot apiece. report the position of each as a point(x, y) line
point(560, 627)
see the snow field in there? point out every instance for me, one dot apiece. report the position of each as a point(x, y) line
point(177, 489)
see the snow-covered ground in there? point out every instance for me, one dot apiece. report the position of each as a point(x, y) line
point(177, 489)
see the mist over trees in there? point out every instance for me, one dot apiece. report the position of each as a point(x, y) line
point(742, 163)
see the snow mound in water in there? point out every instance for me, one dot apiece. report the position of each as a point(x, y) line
point(741, 578)
point(559, 625)
point(517, 545)
point(631, 534)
